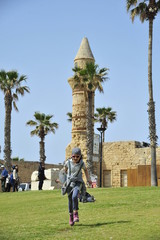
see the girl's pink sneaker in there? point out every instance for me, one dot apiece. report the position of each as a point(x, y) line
point(75, 217)
point(71, 222)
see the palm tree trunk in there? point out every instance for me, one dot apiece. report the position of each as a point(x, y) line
point(42, 151)
point(7, 131)
point(151, 110)
point(89, 130)
point(104, 125)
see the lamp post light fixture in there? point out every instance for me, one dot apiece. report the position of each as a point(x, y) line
point(101, 130)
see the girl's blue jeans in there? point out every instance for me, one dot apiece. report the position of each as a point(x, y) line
point(73, 200)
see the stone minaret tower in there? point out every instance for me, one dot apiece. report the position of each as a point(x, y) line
point(83, 56)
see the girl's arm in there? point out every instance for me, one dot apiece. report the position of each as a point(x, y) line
point(65, 169)
point(87, 176)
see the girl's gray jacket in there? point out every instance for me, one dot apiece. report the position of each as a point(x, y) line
point(73, 169)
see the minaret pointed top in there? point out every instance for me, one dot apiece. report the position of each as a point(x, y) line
point(84, 51)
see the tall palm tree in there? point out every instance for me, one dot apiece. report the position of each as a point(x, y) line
point(148, 12)
point(91, 78)
point(43, 127)
point(11, 86)
point(105, 115)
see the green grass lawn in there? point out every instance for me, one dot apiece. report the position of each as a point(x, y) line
point(117, 214)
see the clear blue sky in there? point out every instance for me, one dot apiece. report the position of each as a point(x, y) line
point(40, 38)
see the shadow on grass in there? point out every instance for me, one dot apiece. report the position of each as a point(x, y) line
point(100, 224)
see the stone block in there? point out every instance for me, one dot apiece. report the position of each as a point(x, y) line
point(34, 176)
point(49, 184)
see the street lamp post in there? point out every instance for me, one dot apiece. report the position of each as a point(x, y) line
point(101, 130)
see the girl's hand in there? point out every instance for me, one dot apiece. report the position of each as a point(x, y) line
point(89, 182)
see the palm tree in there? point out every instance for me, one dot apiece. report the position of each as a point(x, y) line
point(43, 127)
point(105, 115)
point(91, 78)
point(11, 86)
point(148, 12)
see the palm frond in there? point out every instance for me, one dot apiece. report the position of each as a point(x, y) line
point(131, 3)
point(12, 75)
point(15, 97)
point(69, 114)
point(140, 9)
point(34, 132)
point(31, 123)
point(22, 89)
point(158, 5)
point(48, 117)
point(22, 78)
point(15, 106)
point(2, 75)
